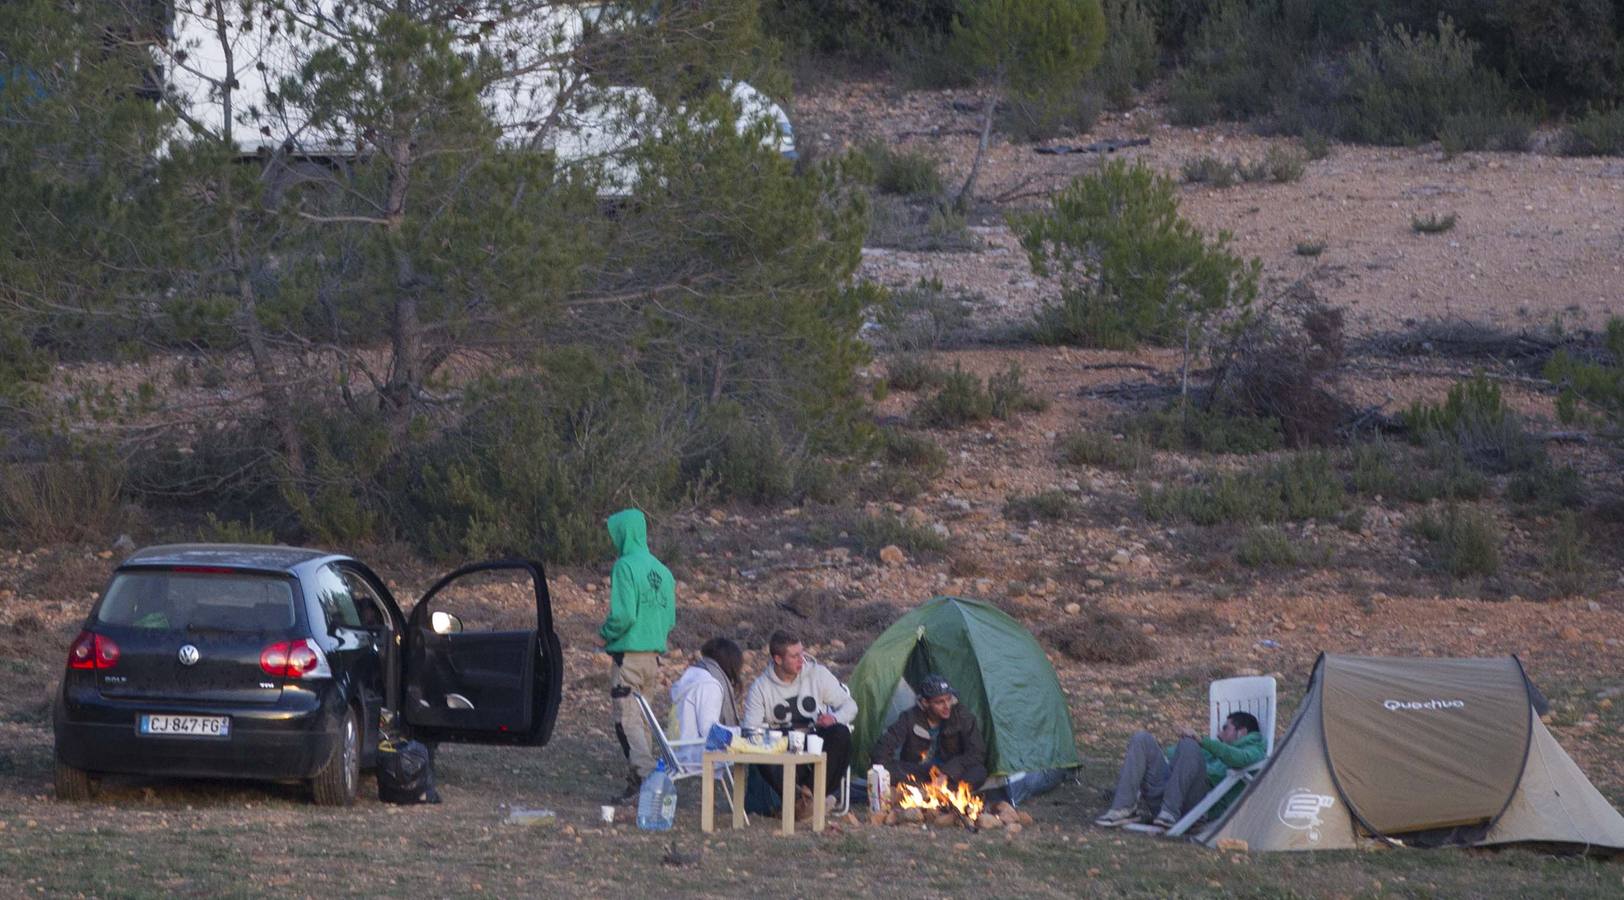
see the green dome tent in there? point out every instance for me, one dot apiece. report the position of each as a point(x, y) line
point(998, 668)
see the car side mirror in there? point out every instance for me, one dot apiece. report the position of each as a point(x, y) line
point(444, 623)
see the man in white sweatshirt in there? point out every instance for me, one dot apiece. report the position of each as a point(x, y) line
point(797, 691)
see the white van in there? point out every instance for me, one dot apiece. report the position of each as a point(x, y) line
point(544, 100)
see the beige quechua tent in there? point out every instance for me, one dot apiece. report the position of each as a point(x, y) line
point(1419, 752)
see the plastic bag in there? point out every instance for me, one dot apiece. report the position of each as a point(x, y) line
point(406, 773)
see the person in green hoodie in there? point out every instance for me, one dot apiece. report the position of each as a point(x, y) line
point(1175, 781)
point(642, 609)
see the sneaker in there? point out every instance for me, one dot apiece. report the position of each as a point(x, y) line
point(1116, 818)
point(1164, 820)
point(634, 786)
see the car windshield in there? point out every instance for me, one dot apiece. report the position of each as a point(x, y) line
point(231, 601)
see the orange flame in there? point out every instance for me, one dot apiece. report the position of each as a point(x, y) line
point(935, 794)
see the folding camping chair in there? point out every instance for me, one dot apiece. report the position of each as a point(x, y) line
point(668, 752)
point(1253, 694)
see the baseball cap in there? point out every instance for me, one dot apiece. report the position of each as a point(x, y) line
point(933, 686)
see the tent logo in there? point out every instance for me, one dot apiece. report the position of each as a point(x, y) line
point(1301, 811)
point(1396, 705)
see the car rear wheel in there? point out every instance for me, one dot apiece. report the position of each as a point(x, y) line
point(336, 783)
point(74, 785)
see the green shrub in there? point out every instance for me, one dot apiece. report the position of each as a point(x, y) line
point(1302, 487)
point(1186, 428)
point(961, 401)
point(1050, 114)
point(1440, 472)
point(1010, 395)
point(1432, 223)
point(1474, 418)
point(907, 173)
point(1104, 450)
point(1266, 548)
point(1131, 268)
point(1405, 87)
point(1316, 145)
point(1210, 170)
point(1128, 61)
point(1231, 66)
point(871, 534)
point(923, 316)
point(1567, 562)
point(1545, 488)
point(1466, 541)
point(1281, 165)
point(913, 451)
point(1505, 131)
point(233, 531)
point(1598, 381)
point(1099, 636)
point(913, 372)
point(63, 499)
point(1599, 133)
point(1047, 506)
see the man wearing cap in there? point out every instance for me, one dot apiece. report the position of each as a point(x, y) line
point(936, 732)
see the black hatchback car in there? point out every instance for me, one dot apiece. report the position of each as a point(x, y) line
point(280, 663)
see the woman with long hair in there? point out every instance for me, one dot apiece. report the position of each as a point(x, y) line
point(707, 694)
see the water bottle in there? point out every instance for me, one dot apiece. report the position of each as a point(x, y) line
point(657, 801)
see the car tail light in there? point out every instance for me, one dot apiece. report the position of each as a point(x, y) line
point(92, 651)
point(295, 659)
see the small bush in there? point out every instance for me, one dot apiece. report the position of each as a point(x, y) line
point(1310, 248)
point(1052, 114)
point(1302, 487)
point(1185, 428)
point(913, 451)
point(1009, 395)
point(1047, 506)
point(1281, 367)
point(961, 401)
point(1466, 541)
point(62, 500)
point(233, 531)
point(923, 316)
point(1432, 223)
point(1598, 381)
point(1211, 170)
point(1100, 636)
point(1316, 145)
point(1474, 418)
point(929, 226)
point(1406, 86)
point(1132, 269)
point(913, 372)
point(906, 173)
point(1547, 489)
point(1266, 548)
point(1128, 61)
point(871, 534)
point(1105, 451)
point(1599, 133)
point(1566, 561)
point(1507, 132)
point(1281, 165)
point(1441, 472)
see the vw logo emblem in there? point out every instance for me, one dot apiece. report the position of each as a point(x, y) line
point(188, 655)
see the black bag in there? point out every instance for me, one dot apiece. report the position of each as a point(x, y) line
point(406, 773)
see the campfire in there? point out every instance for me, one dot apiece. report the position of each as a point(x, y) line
point(936, 803)
point(936, 795)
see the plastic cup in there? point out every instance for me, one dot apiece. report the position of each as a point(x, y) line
point(606, 815)
point(797, 741)
point(814, 744)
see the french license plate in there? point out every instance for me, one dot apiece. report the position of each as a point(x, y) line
point(186, 726)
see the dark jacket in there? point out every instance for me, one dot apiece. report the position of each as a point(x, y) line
point(961, 754)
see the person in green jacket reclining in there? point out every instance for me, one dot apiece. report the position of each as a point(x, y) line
point(1175, 781)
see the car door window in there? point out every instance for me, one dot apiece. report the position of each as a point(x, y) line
point(337, 601)
point(368, 607)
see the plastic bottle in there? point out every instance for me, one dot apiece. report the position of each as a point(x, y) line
point(657, 801)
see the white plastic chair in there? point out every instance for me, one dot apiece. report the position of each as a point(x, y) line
point(1251, 694)
point(668, 751)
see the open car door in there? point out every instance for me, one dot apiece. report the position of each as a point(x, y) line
point(482, 662)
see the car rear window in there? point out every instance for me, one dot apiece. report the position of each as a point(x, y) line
point(198, 600)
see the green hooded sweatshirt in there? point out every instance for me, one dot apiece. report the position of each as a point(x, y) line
point(1222, 757)
point(642, 592)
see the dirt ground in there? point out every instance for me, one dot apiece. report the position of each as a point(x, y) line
point(1539, 239)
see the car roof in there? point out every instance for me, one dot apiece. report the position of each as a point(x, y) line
point(264, 557)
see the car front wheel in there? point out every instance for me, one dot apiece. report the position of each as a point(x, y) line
point(74, 785)
point(336, 783)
